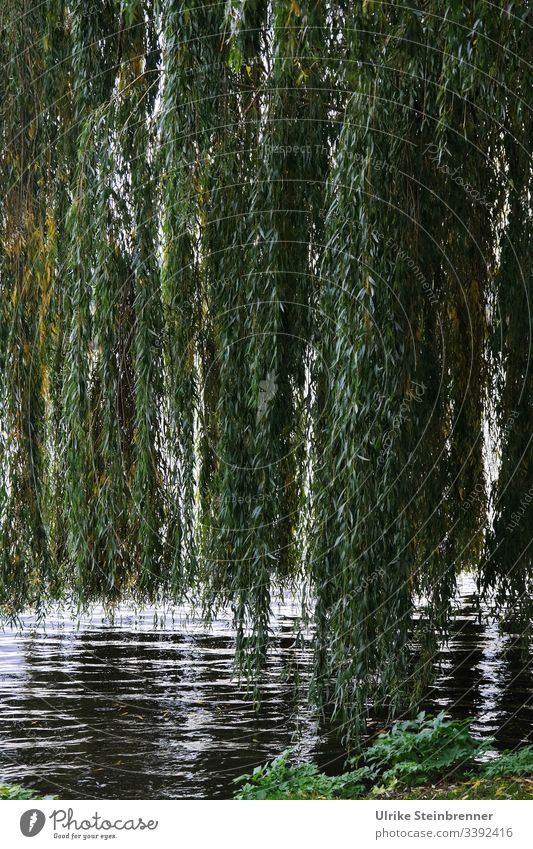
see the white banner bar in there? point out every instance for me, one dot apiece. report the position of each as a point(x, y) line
point(266, 825)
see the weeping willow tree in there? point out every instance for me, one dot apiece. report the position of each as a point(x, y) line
point(265, 319)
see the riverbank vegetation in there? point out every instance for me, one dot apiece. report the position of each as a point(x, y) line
point(427, 758)
point(15, 792)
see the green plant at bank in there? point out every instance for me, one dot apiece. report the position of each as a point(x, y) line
point(518, 762)
point(15, 791)
point(430, 757)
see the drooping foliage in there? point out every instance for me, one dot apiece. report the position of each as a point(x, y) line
point(265, 318)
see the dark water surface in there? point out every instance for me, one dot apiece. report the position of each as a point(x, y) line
point(130, 710)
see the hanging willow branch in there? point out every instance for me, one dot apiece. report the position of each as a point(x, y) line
point(265, 292)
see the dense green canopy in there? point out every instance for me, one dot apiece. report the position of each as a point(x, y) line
point(265, 317)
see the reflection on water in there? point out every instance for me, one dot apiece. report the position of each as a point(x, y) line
point(133, 711)
point(483, 673)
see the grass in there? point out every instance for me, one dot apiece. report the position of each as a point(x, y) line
point(475, 788)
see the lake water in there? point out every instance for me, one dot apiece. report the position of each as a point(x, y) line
point(129, 710)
